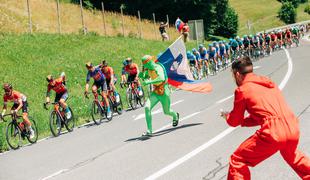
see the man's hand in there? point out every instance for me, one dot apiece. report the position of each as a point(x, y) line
point(224, 114)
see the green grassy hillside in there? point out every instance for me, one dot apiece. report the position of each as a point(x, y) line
point(25, 61)
point(262, 14)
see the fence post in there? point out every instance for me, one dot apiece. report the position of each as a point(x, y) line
point(122, 21)
point(196, 32)
point(58, 16)
point(29, 17)
point(168, 32)
point(82, 17)
point(154, 25)
point(103, 18)
point(140, 28)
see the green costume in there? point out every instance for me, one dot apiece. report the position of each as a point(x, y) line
point(157, 76)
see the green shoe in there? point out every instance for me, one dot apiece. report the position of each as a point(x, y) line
point(176, 122)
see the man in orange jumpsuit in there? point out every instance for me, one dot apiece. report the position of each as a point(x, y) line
point(279, 131)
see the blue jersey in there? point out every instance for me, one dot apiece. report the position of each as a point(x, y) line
point(97, 75)
point(234, 43)
point(197, 56)
point(203, 53)
point(212, 52)
point(222, 49)
point(227, 46)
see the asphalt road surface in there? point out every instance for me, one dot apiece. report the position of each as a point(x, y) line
point(199, 148)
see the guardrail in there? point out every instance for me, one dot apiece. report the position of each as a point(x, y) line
point(289, 25)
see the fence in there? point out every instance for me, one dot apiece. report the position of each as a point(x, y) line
point(54, 17)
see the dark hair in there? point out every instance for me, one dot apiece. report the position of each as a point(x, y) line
point(243, 65)
point(104, 63)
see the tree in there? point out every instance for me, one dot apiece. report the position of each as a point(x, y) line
point(287, 13)
point(229, 25)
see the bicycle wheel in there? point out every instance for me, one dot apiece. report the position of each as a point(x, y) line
point(35, 130)
point(141, 99)
point(96, 112)
point(55, 123)
point(119, 107)
point(131, 98)
point(70, 123)
point(13, 135)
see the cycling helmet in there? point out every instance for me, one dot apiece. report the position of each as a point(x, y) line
point(200, 46)
point(245, 36)
point(194, 50)
point(188, 53)
point(128, 60)
point(49, 78)
point(230, 39)
point(104, 63)
point(220, 42)
point(89, 65)
point(210, 45)
point(125, 62)
point(7, 87)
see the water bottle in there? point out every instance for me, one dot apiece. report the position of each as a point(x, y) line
point(117, 99)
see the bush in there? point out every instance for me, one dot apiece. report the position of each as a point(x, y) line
point(287, 13)
point(307, 9)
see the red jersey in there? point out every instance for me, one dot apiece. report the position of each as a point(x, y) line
point(288, 34)
point(58, 87)
point(273, 37)
point(131, 70)
point(14, 97)
point(108, 73)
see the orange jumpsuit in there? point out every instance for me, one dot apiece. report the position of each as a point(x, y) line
point(279, 131)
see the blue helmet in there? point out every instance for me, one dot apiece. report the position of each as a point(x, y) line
point(194, 50)
point(220, 42)
point(200, 46)
point(125, 62)
point(188, 53)
point(210, 45)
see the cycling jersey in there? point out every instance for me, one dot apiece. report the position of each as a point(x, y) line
point(234, 43)
point(108, 72)
point(58, 86)
point(130, 69)
point(240, 43)
point(197, 56)
point(279, 35)
point(227, 46)
point(14, 97)
point(295, 31)
point(222, 50)
point(97, 75)
point(273, 37)
point(212, 53)
point(192, 59)
point(288, 34)
point(203, 53)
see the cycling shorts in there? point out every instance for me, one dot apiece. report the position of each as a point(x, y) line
point(24, 107)
point(59, 96)
point(131, 78)
point(102, 85)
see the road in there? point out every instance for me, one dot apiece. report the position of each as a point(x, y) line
point(199, 148)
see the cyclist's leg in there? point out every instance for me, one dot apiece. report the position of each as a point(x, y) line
point(25, 114)
point(150, 103)
point(104, 89)
point(94, 90)
point(62, 100)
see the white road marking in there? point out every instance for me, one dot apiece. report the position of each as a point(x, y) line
point(218, 137)
point(225, 99)
point(141, 116)
point(55, 174)
point(256, 67)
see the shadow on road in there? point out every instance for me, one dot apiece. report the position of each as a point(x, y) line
point(163, 132)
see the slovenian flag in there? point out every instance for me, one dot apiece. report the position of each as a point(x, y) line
point(174, 60)
point(179, 24)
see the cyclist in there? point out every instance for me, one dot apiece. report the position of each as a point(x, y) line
point(203, 54)
point(110, 78)
point(193, 63)
point(234, 45)
point(212, 56)
point(58, 85)
point(227, 48)
point(267, 41)
point(279, 38)
point(132, 70)
point(222, 52)
point(273, 40)
point(99, 83)
point(295, 33)
point(288, 36)
point(19, 103)
point(246, 44)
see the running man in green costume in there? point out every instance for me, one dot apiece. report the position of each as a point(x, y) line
point(156, 75)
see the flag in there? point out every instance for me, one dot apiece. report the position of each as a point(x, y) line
point(179, 24)
point(174, 60)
